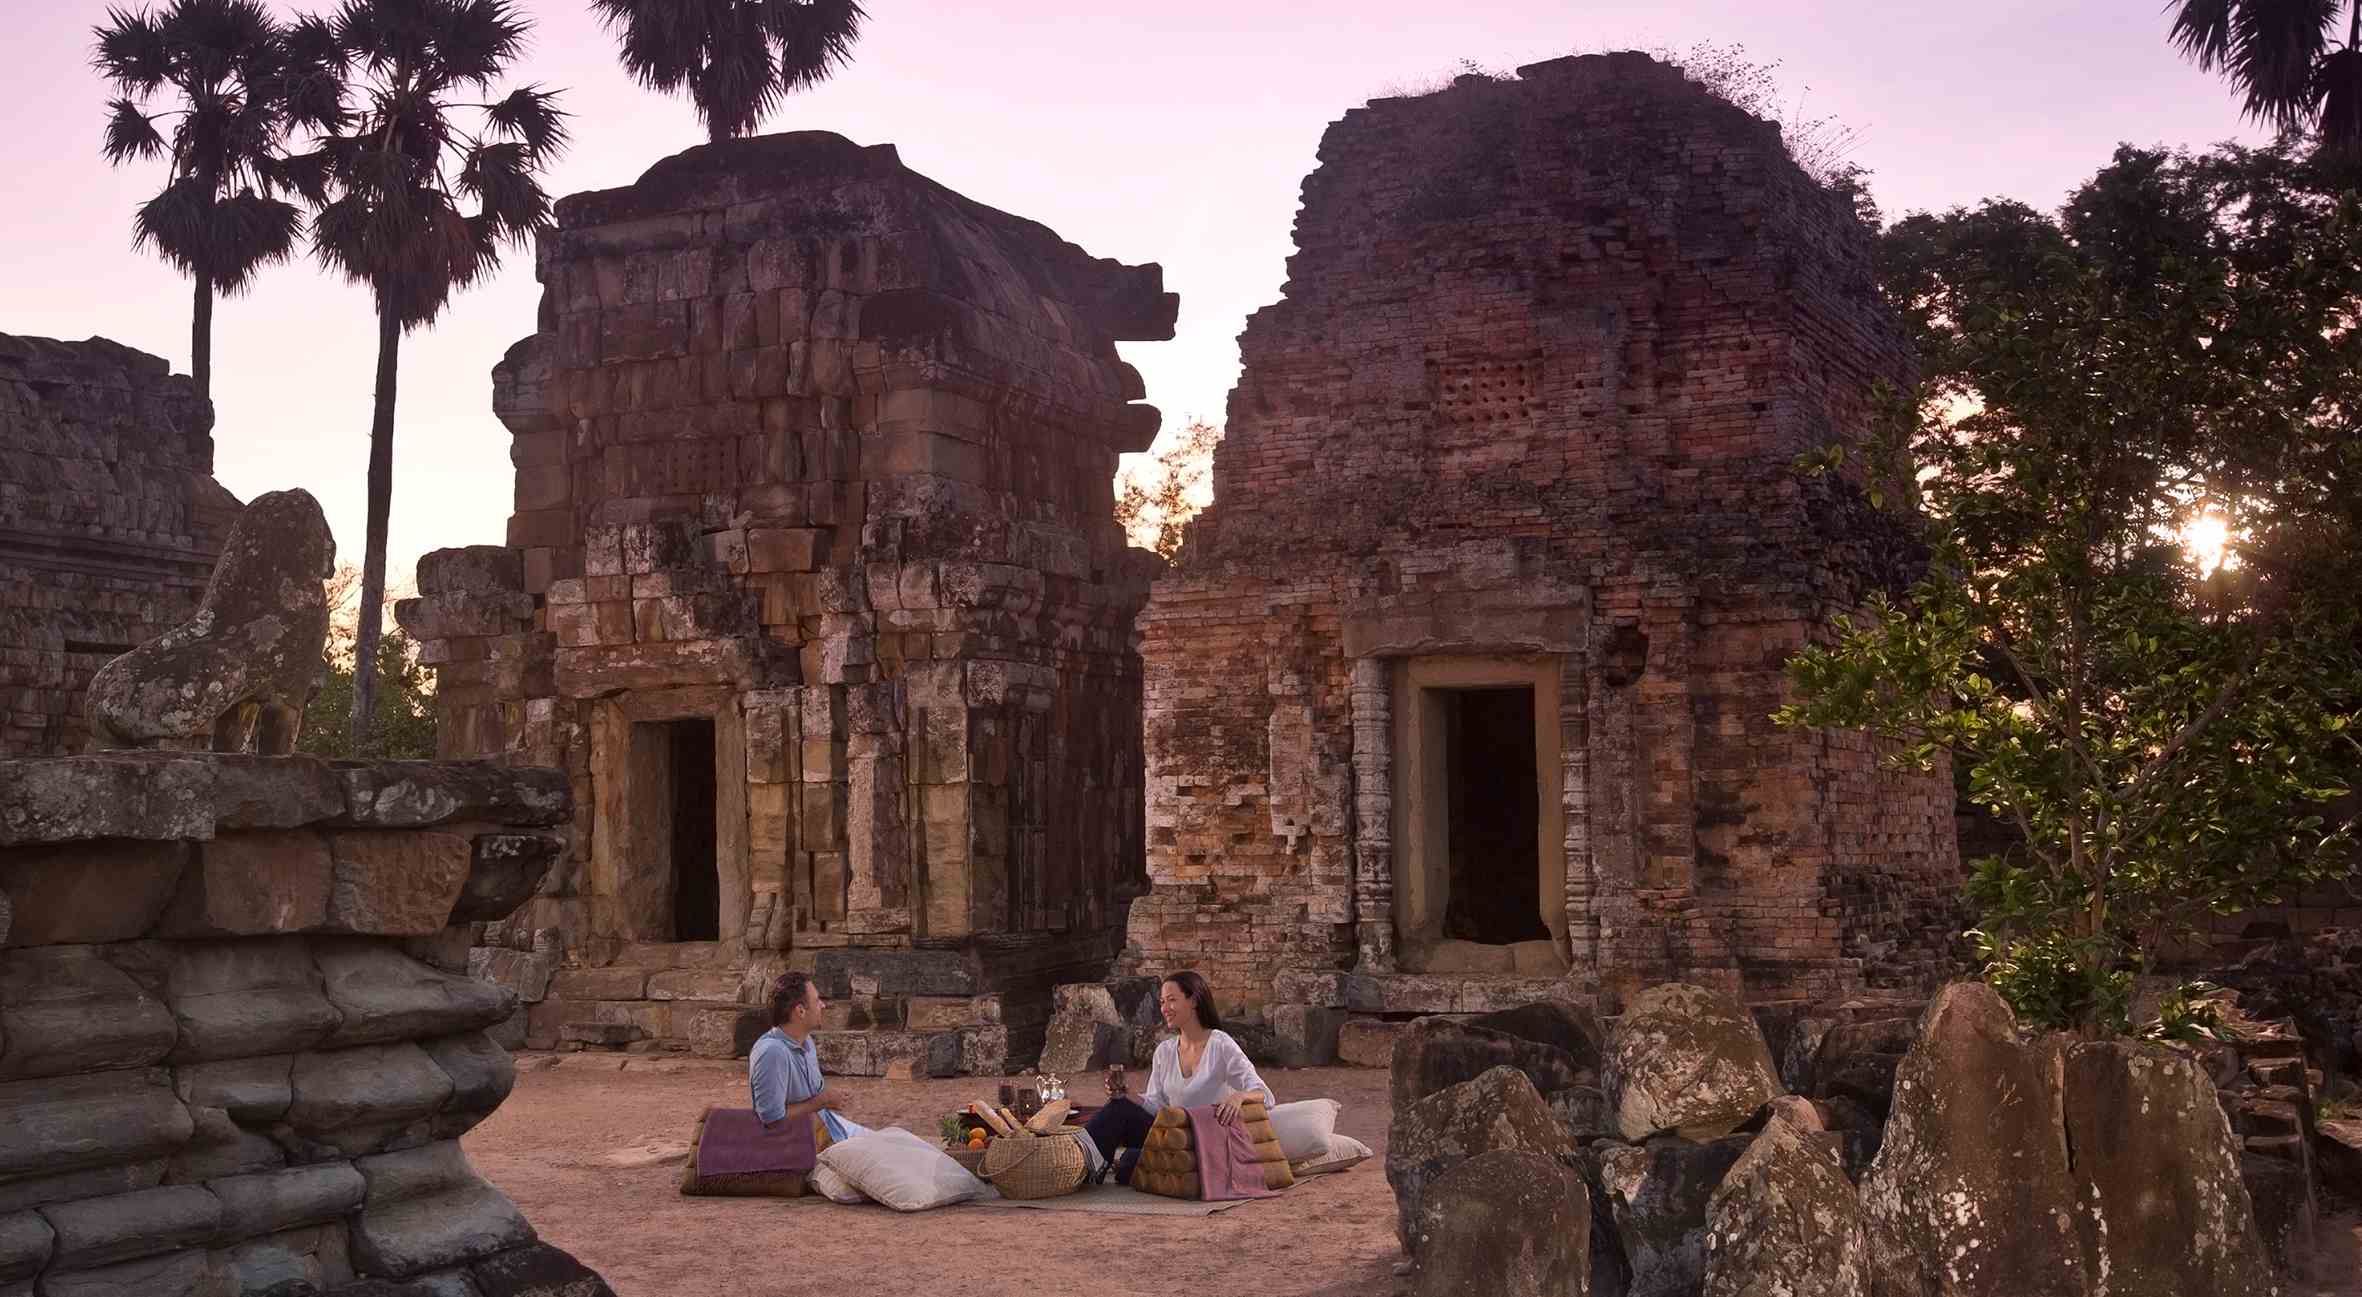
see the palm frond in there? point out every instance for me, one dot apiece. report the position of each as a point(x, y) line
point(2202, 31)
point(131, 50)
point(178, 224)
point(131, 133)
point(740, 84)
point(501, 177)
point(477, 40)
point(2274, 47)
point(531, 115)
point(2337, 86)
point(310, 85)
point(250, 231)
point(815, 37)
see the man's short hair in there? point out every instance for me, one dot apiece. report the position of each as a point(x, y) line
point(787, 991)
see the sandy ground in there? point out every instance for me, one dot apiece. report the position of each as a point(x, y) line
point(589, 1149)
point(578, 1146)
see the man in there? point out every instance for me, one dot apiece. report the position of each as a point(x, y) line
point(783, 1069)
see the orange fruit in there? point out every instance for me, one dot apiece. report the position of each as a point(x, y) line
point(975, 1139)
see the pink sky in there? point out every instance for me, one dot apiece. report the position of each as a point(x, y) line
point(1176, 134)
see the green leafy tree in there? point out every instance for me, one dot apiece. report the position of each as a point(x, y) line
point(2169, 737)
point(2285, 56)
point(736, 58)
point(400, 182)
point(402, 720)
point(239, 82)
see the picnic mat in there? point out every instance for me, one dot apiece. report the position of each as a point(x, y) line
point(1113, 1199)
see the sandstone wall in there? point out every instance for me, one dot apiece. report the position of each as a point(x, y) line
point(238, 1044)
point(109, 522)
point(815, 449)
point(1547, 351)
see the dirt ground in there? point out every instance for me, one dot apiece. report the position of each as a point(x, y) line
point(590, 1148)
point(585, 1150)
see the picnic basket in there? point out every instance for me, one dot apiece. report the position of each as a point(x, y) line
point(1025, 1165)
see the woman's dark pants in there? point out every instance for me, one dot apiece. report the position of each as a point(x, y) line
point(1120, 1127)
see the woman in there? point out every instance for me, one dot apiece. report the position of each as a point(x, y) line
point(1201, 1065)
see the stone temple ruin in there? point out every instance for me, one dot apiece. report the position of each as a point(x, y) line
point(815, 590)
point(1460, 693)
point(238, 1039)
point(109, 520)
point(1458, 698)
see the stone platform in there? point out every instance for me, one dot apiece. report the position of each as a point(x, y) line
point(238, 1041)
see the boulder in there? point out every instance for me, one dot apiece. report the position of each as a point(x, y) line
point(2286, 1216)
point(1306, 1035)
point(1075, 1046)
point(1687, 1060)
point(2337, 1151)
point(1506, 1224)
point(1857, 1061)
point(1785, 1220)
point(1434, 1054)
point(1368, 1042)
point(1569, 1026)
point(1497, 1111)
point(350, 1099)
point(252, 645)
point(1657, 1195)
point(2159, 1202)
point(1970, 1195)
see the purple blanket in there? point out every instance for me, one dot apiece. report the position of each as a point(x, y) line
point(1226, 1165)
point(735, 1143)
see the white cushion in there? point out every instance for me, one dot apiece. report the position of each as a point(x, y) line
point(828, 1184)
point(1345, 1153)
point(901, 1170)
point(1304, 1127)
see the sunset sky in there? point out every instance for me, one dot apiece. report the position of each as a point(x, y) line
point(1176, 134)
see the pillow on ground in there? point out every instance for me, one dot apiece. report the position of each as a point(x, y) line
point(1304, 1127)
point(1345, 1153)
point(828, 1184)
point(901, 1170)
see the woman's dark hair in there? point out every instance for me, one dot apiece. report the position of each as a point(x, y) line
point(786, 993)
point(1200, 996)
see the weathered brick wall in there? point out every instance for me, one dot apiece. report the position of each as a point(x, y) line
point(109, 522)
point(1547, 352)
point(238, 1044)
point(815, 447)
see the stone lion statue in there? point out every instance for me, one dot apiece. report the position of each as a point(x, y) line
point(236, 675)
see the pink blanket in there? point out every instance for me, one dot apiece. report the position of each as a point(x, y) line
point(735, 1143)
point(1226, 1165)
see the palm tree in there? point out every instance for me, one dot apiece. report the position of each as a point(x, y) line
point(2284, 56)
point(396, 182)
point(738, 58)
point(241, 82)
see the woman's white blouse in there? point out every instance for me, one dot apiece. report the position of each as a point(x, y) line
point(1224, 1068)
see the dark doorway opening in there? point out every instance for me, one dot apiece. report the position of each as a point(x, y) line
point(697, 876)
point(1493, 818)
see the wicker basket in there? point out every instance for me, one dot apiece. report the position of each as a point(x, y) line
point(971, 1160)
point(1026, 1166)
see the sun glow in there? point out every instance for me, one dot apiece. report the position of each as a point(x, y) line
point(2206, 538)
